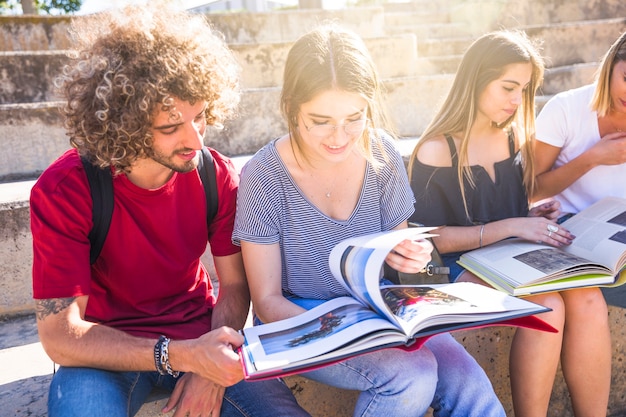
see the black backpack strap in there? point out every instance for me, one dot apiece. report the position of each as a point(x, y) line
point(206, 169)
point(101, 187)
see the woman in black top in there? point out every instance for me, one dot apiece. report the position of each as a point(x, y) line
point(482, 138)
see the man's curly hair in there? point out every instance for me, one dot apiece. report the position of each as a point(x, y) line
point(132, 62)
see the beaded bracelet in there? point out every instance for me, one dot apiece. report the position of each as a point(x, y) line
point(162, 359)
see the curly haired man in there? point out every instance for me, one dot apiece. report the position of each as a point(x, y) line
point(140, 91)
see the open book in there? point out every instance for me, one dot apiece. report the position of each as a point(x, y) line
point(376, 316)
point(596, 257)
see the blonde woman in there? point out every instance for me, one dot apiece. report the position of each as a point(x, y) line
point(336, 174)
point(472, 172)
point(580, 158)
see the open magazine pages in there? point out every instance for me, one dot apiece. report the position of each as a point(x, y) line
point(595, 257)
point(376, 316)
point(600, 232)
point(357, 263)
point(344, 327)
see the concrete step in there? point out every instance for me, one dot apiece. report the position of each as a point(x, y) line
point(32, 135)
point(576, 42)
point(512, 13)
point(440, 64)
point(566, 77)
point(485, 15)
point(414, 17)
point(51, 32)
point(433, 30)
point(419, 6)
point(443, 46)
point(28, 76)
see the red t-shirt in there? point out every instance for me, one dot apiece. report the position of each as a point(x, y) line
point(148, 279)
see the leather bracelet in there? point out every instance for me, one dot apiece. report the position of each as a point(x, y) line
point(162, 359)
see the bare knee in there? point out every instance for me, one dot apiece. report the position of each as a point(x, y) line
point(555, 302)
point(586, 304)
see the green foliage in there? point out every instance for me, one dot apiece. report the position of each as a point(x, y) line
point(6, 5)
point(43, 6)
point(59, 6)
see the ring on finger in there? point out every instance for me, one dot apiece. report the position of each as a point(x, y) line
point(552, 228)
point(550, 233)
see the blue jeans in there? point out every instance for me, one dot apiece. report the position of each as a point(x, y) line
point(449, 260)
point(393, 382)
point(99, 393)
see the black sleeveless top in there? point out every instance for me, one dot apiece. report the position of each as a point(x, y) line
point(438, 195)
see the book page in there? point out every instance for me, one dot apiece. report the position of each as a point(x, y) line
point(357, 263)
point(600, 232)
point(323, 329)
point(423, 307)
point(519, 262)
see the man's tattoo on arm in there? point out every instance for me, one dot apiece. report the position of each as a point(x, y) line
point(43, 308)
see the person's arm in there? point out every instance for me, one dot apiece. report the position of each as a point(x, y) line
point(233, 301)
point(263, 269)
point(610, 150)
point(70, 340)
point(194, 395)
point(534, 229)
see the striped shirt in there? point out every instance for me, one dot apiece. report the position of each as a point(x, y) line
point(272, 209)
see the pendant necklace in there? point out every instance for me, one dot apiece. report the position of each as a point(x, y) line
point(613, 125)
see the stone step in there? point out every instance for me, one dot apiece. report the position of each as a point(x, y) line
point(51, 32)
point(32, 135)
point(512, 13)
point(443, 46)
point(15, 249)
point(433, 30)
point(419, 6)
point(566, 77)
point(492, 14)
point(484, 15)
point(440, 64)
point(28, 76)
point(577, 42)
point(408, 18)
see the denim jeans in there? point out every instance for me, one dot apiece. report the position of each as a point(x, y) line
point(393, 382)
point(99, 393)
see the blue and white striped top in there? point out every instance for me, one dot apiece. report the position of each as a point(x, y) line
point(272, 209)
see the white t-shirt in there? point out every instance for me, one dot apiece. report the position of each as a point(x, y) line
point(567, 122)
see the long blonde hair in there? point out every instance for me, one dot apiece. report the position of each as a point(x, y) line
point(601, 101)
point(483, 62)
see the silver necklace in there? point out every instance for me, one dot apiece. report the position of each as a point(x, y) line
point(617, 129)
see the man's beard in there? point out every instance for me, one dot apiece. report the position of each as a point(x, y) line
point(167, 161)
